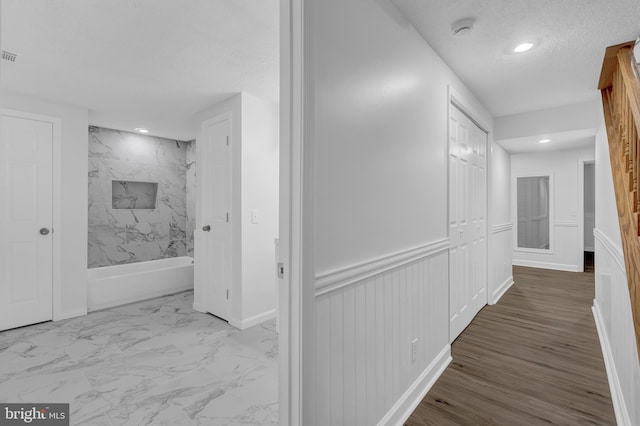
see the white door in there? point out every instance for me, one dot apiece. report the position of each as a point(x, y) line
point(26, 215)
point(467, 221)
point(213, 240)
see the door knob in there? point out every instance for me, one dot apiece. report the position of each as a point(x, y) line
point(206, 228)
point(44, 231)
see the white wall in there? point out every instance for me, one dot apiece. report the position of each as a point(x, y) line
point(259, 196)
point(500, 224)
point(378, 138)
point(565, 236)
point(548, 121)
point(612, 305)
point(254, 188)
point(71, 164)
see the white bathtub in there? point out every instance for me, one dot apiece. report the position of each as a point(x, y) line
point(116, 285)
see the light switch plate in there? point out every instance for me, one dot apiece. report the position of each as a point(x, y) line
point(255, 216)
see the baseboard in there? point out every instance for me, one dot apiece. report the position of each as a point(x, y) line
point(501, 290)
point(70, 314)
point(254, 320)
point(547, 265)
point(406, 405)
point(619, 406)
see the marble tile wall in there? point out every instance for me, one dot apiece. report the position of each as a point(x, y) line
point(119, 236)
point(191, 195)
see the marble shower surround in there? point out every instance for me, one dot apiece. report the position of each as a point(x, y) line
point(128, 236)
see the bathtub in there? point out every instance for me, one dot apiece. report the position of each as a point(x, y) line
point(116, 285)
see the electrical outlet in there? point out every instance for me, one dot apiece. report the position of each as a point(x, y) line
point(414, 349)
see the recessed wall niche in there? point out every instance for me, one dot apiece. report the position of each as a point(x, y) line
point(133, 195)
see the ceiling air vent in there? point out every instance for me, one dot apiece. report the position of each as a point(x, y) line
point(9, 56)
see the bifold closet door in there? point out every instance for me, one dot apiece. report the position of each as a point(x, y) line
point(467, 221)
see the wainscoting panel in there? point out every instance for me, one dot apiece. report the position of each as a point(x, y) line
point(612, 312)
point(364, 332)
point(500, 268)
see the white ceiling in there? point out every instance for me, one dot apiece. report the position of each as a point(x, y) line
point(570, 38)
point(141, 63)
point(574, 139)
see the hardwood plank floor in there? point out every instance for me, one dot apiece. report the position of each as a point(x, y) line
point(534, 358)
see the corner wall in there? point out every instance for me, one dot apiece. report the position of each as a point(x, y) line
point(377, 135)
point(254, 211)
point(612, 305)
point(72, 172)
point(500, 224)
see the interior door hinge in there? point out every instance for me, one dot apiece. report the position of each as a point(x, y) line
point(227, 217)
point(227, 294)
point(281, 270)
point(227, 140)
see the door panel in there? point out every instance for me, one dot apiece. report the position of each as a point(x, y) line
point(213, 257)
point(467, 221)
point(26, 206)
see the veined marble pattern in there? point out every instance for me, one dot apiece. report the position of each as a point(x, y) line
point(119, 236)
point(191, 195)
point(156, 362)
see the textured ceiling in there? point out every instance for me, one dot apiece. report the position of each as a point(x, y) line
point(570, 38)
point(141, 63)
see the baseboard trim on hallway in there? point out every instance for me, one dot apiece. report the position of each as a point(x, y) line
point(409, 401)
point(617, 397)
point(254, 320)
point(546, 265)
point(501, 290)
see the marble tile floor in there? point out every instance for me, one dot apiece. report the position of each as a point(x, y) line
point(156, 362)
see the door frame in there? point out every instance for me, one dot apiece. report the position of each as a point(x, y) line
point(469, 108)
point(56, 220)
point(581, 164)
point(297, 288)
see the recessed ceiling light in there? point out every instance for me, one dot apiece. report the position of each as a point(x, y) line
point(523, 47)
point(141, 130)
point(544, 140)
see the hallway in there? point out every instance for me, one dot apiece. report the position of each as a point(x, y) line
point(534, 358)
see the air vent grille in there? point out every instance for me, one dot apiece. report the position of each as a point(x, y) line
point(8, 56)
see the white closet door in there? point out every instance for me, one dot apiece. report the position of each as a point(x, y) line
point(26, 217)
point(213, 241)
point(467, 221)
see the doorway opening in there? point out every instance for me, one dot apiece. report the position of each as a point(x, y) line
point(589, 209)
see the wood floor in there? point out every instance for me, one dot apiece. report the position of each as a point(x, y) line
point(534, 358)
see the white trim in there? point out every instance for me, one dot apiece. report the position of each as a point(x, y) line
point(617, 397)
point(566, 224)
point(501, 290)
point(503, 227)
point(56, 229)
point(546, 265)
point(297, 331)
point(328, 282)
point(254, 320)
point(614, 251)
point(406, 405)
